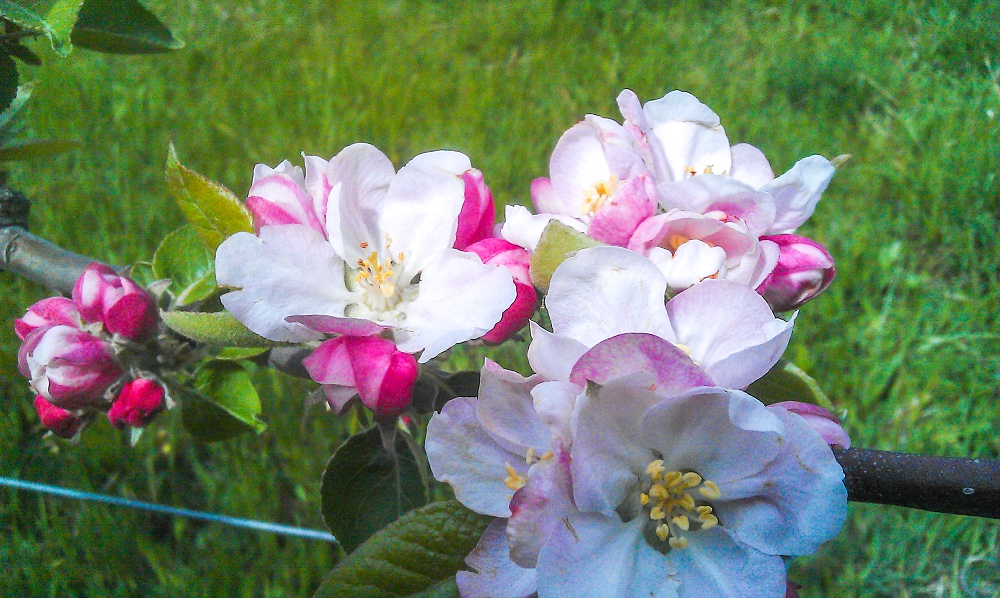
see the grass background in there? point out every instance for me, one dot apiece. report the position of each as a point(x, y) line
point(905, 342)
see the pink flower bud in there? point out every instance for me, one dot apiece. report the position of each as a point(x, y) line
point(369, 366)
point(47, 312)
point(121, 305)
point(804, 270)
point(821, 420)
point(138, 403)
point(60, 422)
point(516, 260)
point(67, 366)
point(475, 221)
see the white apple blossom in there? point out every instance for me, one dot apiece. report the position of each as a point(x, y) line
point(383, 254)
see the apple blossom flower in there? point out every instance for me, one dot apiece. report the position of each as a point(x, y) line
point(726, 327)
point(804, 269)
point(475, 221)
point(139, 401)
point(598, 179)
point(820, 420)
point(62, 423)
point(125, 308)
point(68, 367)
point(385, 256)
point(283, 195)
point(48, 312)
point(364, 365)
point(516, 259)
point(693, 163)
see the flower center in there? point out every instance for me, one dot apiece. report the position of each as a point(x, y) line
point(595, 197)
point(676, 503)
point(514, 480)
point(378, 278)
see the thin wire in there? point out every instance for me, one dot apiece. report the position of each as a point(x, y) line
point(263, 526)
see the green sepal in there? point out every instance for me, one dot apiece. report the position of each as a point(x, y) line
point(225, 404)
point(787, 382)
point(418, 555)
point(213, 211)
point(122, 27)
point(365, 487)
point(220, 329)
point(557, 243)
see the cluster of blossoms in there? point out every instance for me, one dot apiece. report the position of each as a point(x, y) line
point(73, 353)
point(667, 184)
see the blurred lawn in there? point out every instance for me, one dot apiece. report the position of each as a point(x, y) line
point(906, 341)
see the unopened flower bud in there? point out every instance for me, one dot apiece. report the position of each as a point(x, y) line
point(516, 259)
point(369, 366)
point(138, 403)
point(67, 366)
point(821, 420)
point(805, 268)
point(60, 422)
point(120, 304)
point(47, 312)
point(475, 221)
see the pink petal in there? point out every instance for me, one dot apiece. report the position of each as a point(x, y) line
point(335, 325)
point(475, 221)
point(631, 353)
point(615, 222)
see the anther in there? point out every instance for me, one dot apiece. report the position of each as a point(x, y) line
point(678, 542)
point(364, 245)
point(663, 531)
point(514, 480)
point(529, 457)
point(710, 490)
point(682, 522)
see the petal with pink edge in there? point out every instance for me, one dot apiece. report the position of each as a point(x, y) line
point(335, 325)
point(671, 369)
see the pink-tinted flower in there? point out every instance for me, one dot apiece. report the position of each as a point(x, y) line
point(60, 422)
point(121, 305)
point(47, 312)
point(475, 221)
point(370, 367)
point(820, 420)
point(386, 256)
point(67, 366)
point(495, 251)
point(804, 269)
point(139, 401)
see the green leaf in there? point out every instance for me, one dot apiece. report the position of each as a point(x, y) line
point(122, 27)
point(8, 82)
point(61, 19)
point(12, 110)
point(365, 487)
point(417, 555)
point(56, 24)
point(36, 148)
point(142, 273)
point(787, 382)
point(238, 353)
point(225, 405)
point(213, 211)
point(220, 329)
point(557, 243)
point(184, 259)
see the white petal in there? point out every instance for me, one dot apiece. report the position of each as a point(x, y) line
point(717, 564)
point(494, 575)
point(797, 192)
point(524, 229)
point(552, 356)
point(289, 270)
point(554, 403)
point(506, 411)
point(359, 176)
point(459, 299)
point(717, 319)
point(604, 291)
point(463, 455)
point(593, 556)
point(693, 262)
point(607, 450)
point(537, 508)
point(422, 205)
point(710, 192)
point(798, 502)
point(750, 166)
point(686, 134)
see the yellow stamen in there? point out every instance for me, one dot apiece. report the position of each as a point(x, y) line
point(643, 499)
point(659, 492)
point(663, 531)
point(546, 456)
point(529, 457)
point(678, 542)
point(514, 480)
point(710, 490)
point(691, 479)
point(364, 245)
point(655, 469)
point(709, 521)
point(657, 513)
point(682, 522)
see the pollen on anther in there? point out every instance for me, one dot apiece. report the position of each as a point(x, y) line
point(710, 490)
point(663, 531)
point(529, 457)
point(678, 542)
point(364, 245)
point(682, 522)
